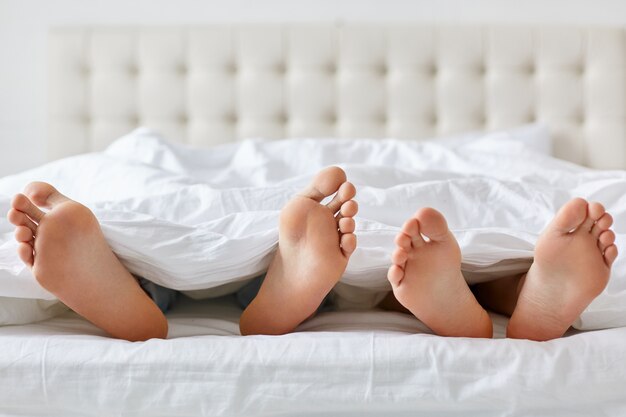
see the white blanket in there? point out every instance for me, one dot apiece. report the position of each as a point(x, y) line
point(193, 219)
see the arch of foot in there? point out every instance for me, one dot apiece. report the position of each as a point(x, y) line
point(221, 83)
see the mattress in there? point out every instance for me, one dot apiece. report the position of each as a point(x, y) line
point(338, 363)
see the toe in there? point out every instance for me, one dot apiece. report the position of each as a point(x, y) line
point(325, 183)
point(25, 252)
point(23, 234)
point(570, 216)
point(610, 254)
point(606, 239)
point(346, 225)
point(432, 224)
point(412, 229)
point(348, 244)
point(22, 203)
point(602, 224)
point(403, 241)
point(395, 275)
point(399, 257)
point(15, 217)
point(18, 218)
point(594, 212)
point(346, 192)
point(349, 209)
point(43, 194)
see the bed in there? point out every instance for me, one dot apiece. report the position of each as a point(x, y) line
point(208, 86)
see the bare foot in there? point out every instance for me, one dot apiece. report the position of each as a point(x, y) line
point(69, 257)
point(426, 278)
point(314, 245)
point(572, 264)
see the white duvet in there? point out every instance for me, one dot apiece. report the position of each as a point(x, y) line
point(194, 219)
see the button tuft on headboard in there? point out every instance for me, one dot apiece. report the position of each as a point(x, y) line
point(350, 80)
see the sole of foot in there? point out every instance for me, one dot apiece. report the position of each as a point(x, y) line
point(426, 278)
point(572, 265)
point(69, 256)
point(314, 246)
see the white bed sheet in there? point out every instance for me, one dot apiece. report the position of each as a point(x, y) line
point(377, 365)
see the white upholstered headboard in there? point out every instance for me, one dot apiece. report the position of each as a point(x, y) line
point(207, 85)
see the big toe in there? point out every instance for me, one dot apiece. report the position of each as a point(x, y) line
point(325, 183)
point(432, 224)
point(571, 216)
point(44, 194)
point(22, 204)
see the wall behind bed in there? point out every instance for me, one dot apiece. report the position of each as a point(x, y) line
point(24, 27)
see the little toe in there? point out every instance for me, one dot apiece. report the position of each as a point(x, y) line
point(432, 224)
point(348, 243)
point(22, 203)
point(346, 192)
point(403, 241)
point(395, 274)
point(602, 224)
point(23, 234)
point(399, 257)
point(346, 225)
point(610, 254)
point(18, 218)
point(606, 239)
point(570, 216)
point(25, 252)
point(349, 209)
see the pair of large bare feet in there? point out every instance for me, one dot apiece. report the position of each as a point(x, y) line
point(69, 256)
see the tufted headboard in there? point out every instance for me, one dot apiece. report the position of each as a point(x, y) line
point(219, 83)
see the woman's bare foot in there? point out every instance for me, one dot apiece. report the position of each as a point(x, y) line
point(314, 245)
point(572, 264)
point(426, 278)
point(69, 257)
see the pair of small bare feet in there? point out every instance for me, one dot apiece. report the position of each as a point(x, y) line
point(69, 256)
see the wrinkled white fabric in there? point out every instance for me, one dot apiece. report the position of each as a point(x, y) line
point(370, 363)
point(193, 219)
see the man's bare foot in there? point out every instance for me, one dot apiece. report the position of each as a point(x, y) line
point(572, 264)
point(426, 278)
point(314, 245)
point(69, 257)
